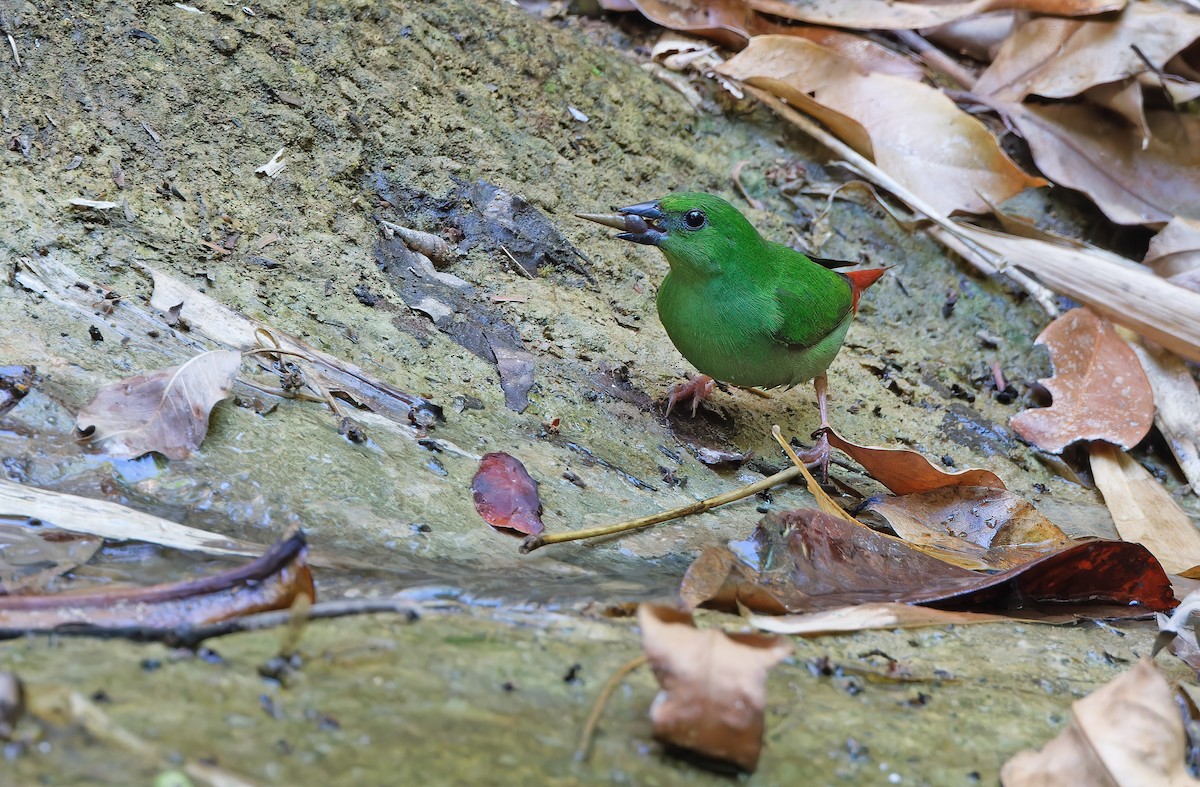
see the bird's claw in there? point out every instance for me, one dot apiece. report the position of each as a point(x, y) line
point(696, 389)
point(817, 457)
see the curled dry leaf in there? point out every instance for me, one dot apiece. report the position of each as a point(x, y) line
point(1176, 403)
point(732, 23)
point(1127, 733)
point(273, 581)
point(911, 131)
point(988, 528)
point(713, 685)
point(1100, 391)
point(808, 561)
point(904, 471)
point(1143, 510)
point(1059, 58)
point(1083, 148)
point(888, 15)
point(506, 496)
point(164, 411)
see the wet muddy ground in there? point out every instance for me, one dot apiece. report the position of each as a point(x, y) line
point(430, 115)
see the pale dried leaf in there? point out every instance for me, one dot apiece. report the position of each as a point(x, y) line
point(1059, 58)
point(1176, 407)
point(1083, 148)
point(713, 685)
point(1143, 510)
point(911, 131)
point(1125, 99)
point(864, 617)
point(1100, 391)
point(112, 521)
point(1118, 288)
point(1127, 733)
point(978, 37)
point(164, 411)
point(990, 529)
point(1176, 248)
point(33, 554)
point(887, 15)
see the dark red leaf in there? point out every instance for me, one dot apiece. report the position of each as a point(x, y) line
point(806, 561)
point(506, 496)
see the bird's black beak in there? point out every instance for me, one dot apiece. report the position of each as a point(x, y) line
point(638, 222)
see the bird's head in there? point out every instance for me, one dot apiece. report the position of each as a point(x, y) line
point(698, 229)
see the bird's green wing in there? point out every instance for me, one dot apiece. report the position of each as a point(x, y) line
point(812, 302)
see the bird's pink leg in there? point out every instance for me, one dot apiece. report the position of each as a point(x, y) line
point(696, 389)
point(818, 455)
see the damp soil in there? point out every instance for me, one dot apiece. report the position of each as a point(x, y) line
point(539, 338)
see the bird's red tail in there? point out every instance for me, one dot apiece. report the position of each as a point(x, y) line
point(861, 280)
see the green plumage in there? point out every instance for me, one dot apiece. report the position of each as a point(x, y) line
point(743, 309)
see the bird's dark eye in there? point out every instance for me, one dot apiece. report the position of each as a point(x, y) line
point(695, 219)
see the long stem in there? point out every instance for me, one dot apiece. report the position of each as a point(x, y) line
point(535, 542)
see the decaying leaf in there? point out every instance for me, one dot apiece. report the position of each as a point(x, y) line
point(506, 496)
point(1143, 510)
point(904, 471)
point(889, 15)
point(713, 685)
point(32, 554)
point(15, 383)
point(913, 132)
point(273, 581)
point(865, 617)
point(988, 528)
point(808, 561)
point(1100, 391)
point(1059, 58)
point(1127, 733)
point(1086, 149)
point(164, 411)
point(732, 23)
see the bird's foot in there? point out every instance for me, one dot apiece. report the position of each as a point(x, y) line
point(817, 457)
point(696, 390)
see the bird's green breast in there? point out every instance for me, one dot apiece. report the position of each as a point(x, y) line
point(774, 320)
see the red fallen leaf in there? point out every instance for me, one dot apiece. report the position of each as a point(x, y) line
point(713, 685)
point(506, 496)
point(273, 581)
point(1100, 390)
point(906, 472)
point(805, 560)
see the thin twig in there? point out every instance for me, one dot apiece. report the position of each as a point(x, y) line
point(699, 507)
point(593, 719)
point(737, 181)
point(936, 58)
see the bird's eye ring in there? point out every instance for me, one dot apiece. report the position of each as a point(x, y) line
point(695, 219)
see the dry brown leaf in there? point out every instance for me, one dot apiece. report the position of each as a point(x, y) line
point(912, 131)
point(1058, 58)
point(1176, 248)
point(1125, 99)
point(1100, 391)
point(713, 685)
point(1083, 148)
point(1118, 288)
point(1176, 406)
point(886, 15)
point(33, 554)
point(977, 37)
point(989, 528)
point(905, 471)
point(864, 617)
point(1127, 733)
point(1143, 510)
point(732, 23)
point(164, 411)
